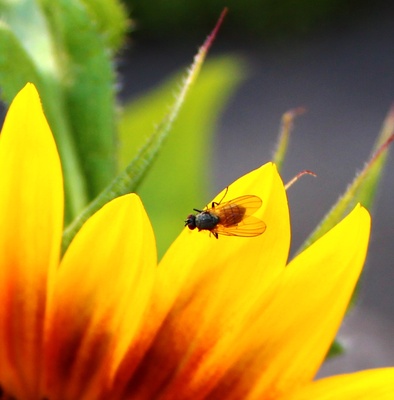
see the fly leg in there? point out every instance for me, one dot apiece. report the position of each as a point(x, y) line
point(215, 203)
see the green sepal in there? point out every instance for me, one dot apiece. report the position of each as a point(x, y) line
point(336, 349)
point(111, 19)
point(131, 176)
point(287, 124)
point(89, 88)
point(181, 177)
point(362, 190)
point(364, 186)
point(366, 193)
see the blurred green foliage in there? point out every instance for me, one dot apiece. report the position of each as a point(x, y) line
point(263, 18)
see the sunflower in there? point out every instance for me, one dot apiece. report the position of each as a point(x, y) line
point(215, 319)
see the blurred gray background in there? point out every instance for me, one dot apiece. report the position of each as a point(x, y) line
point(344, 77)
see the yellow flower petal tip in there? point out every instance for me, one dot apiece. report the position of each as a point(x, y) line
point(25, 123)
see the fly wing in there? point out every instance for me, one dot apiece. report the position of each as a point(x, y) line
point(235, 217)
point(250, 202)
point(250, 226)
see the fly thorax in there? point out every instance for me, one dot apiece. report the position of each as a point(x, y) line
point(206, 220)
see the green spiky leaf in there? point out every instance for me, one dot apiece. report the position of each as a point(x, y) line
point(364, 186)
point(131, 176)
point(181, 176)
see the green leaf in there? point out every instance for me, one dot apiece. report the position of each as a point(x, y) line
point(112, 20)
point(26, 21)
point(180, 178)
point(362, 190)
point(16, 65)
point(89, 85)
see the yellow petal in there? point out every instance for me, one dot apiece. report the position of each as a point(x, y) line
point(198, 256)
point(288, 340)
point(210, 285)
point(375, 384)
point(31, 218)
point(101, 295)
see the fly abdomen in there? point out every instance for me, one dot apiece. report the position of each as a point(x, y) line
point(232, 215)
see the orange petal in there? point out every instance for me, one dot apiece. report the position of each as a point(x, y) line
point(206, 288)
point(285, 342)
point(31, 217)
point(375, 384)
point(101, 294)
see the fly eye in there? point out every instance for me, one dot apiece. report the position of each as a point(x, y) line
point(191, 222)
